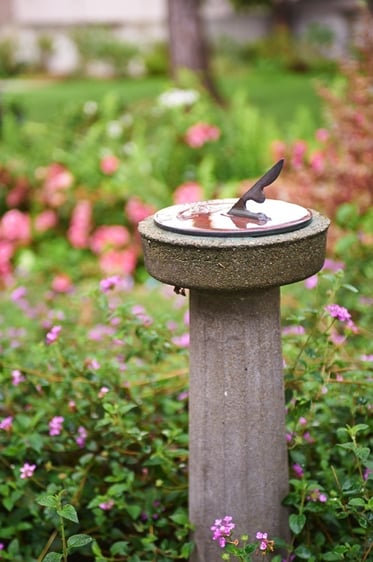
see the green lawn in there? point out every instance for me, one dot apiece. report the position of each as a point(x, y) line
point(278, 94)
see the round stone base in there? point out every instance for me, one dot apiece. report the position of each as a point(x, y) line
point(234, 264)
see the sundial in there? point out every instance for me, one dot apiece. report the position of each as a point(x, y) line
point(250, 215)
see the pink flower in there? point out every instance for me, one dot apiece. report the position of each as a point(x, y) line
point(222, 530)
point(333, 266)
point(119, 262)
point(80, 224)
point(188, 192)
point(322, 135)
point(317, 496)
point(181, 341)
point(18, 294)
point(109, 164)
point(6, 423)
point(103, 390)
point(311, 282)
point(17, 377)
point(299, 151)
point(55, 425)
point(106, 506)
point(200, 133)
point(61, 283)
point(342, 314)
point(293, 330)
point(27, 470)
point(317, 161)
point(57, 181)
point(82, 436)
point(299, 472)
point(109, 236)
point(52, 335)
point(45, 220)
point(15, 226)
point(109, 283)
point(137, 211)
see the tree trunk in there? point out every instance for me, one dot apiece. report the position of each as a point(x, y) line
point(187, 42)
point(282, 13)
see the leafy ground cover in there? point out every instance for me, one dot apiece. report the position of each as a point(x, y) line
point(93, 367)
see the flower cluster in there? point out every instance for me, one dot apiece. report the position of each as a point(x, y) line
point(342, 314)
point(199, 134)
point(222, 530)
point(265, 545)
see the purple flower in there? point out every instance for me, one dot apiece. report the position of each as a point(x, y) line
point(342, 314)
point(311, 282)
point(6, 423)
point(222, 530)
point(17, 377)
point(265, 545)
point(82, 436)
point(181, 341)
point(317, 496)
point(298, 470)
point(27, 470)
point(53, 334)
point(106, 506)
point(55, 425)
point(109, 283)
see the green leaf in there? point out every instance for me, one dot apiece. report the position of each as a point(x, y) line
point(76, 541)
point(53, 557)
point(69, 512)
point(47, 501)
point(357, 502)
point(180, 517)
point(303, 552)
point(332, 556)
point(119, 548)
point(133, 510)
point(297, 522)
point(362, 453)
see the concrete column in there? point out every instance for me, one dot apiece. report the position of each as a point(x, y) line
point(238, 455)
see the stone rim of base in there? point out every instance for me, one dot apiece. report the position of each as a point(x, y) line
point(234, 263)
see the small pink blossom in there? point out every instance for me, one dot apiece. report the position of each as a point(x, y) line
point(57, 180)
point(367, 357)
point(53, 334)
point(27, 470)
point(342, 314)
point(18, 294)
point(15, 226)
point(265, 545)
point(103, 390)
point(17, 377)
point(222, 530)
point(181, 341)
point(137, 211)
point(55, 425)
point(333, 265)
point(109, 283)
point(109, 164)
point(299, 151)
point(6, 423)
point(298, 470)
point(80, 224)
point(106, 237)
point(200, 133)
point(188, 192)
point(82, 436)
point(317, 496)
point(311, 282)
point(45, 220)
point(293, 331)
point(322, 135)
point(119, 262)
point(92, 364)
point(61, 283)
point(106, 506)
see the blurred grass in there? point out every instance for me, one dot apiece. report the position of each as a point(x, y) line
point(278, 94)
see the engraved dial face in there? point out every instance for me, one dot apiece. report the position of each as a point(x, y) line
point(211, 218)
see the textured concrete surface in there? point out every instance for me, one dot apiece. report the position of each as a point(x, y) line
point(238, 453)
point(233, 264)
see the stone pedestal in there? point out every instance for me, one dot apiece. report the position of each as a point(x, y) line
point(238, 453)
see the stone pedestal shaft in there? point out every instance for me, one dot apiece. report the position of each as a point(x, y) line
point(238, 454)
